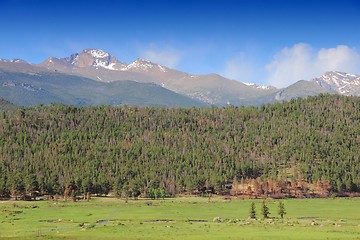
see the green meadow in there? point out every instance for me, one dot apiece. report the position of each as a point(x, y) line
point(179, 218)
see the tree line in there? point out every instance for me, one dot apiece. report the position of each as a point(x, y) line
point(306, 145)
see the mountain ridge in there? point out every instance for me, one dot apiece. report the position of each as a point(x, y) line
point(52, 87)
point(342, 83)
point(210, 89)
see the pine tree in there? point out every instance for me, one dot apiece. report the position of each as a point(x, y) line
point(252, 211)
point(265, 210)
point(73, 195)
point(281, 210)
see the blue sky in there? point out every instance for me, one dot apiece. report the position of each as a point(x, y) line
point(266, 42)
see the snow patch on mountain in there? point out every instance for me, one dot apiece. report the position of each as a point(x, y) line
point(74, 59)
point(97, 53)
point(144, 65)
point(253, 85)
point(140, 64)
point(343, 83)
point(98, 59)
point(12, 60)
point(26, 86)
point(162, 68)
point(339, 79)
point(104, 64)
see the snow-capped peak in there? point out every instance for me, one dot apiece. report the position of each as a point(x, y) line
point(141, 64)
point(99, 59)
point(249, 84)
point(253, 85)
point(343, 83)
point(97, 53)
point(144, 65)
point(94, 58)
point(339, 79)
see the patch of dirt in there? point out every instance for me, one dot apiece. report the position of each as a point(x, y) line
point(197, 220)
point(161, 220)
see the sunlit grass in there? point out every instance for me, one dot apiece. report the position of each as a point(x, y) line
point(179, 218)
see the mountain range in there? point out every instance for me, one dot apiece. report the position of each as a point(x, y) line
point(94, 77)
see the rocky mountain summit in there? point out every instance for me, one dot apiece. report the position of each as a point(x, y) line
point(342, 83)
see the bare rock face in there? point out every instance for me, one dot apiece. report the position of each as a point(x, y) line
point(94, 58)
point(88, 58)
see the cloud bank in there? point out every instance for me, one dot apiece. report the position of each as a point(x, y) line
point(291, 64)
point(301, 62)
point(168, 56)
point(239, 67)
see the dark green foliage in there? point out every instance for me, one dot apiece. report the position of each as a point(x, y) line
point(156, 193)
point(73, 195)
point(252, 211)
point(128, 150)
point(281, 210)
point(265, 210)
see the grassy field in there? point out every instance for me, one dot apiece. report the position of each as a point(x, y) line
point(179, 218)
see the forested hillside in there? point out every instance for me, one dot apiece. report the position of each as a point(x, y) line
point(303, 144)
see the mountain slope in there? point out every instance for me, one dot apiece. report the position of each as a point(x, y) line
point(300, 89)
point(340, 82)
point(6, 105)
point(45, 87)
point(101, 66)
point(330, 82)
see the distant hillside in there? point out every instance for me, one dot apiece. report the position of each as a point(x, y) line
point(6, 105)
point(27, 89)
point(300, 89)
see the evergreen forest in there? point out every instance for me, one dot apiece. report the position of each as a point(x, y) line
point(302, 147)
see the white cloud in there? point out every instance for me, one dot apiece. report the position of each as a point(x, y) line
point(167, 56)
point(341, 58)
point(239, 68)
point(301, 62)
